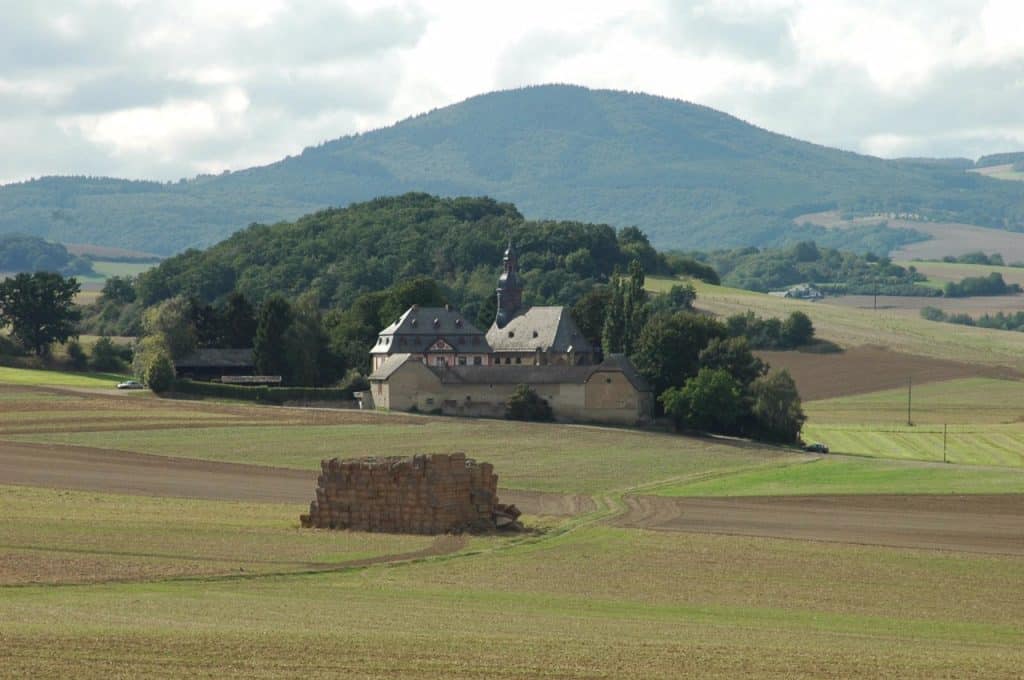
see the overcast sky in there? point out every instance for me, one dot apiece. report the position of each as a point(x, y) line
point(161, 90)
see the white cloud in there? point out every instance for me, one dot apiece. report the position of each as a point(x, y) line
point(153, 88)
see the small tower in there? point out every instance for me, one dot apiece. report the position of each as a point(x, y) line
point(510, 289)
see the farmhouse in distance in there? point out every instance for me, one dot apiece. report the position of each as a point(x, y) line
point(432, 359)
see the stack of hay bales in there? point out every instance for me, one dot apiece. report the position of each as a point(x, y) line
point(424, 494)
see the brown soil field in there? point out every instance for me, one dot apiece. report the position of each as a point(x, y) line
point(123, 472)
point(979, 524)
point(868, 368)
point(947, 238)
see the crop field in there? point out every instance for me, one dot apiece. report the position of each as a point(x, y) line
point(946, 238)
point(159, 537)
point(941, 272)
point(970, 421)
point(851, 327)
point(1004, 171)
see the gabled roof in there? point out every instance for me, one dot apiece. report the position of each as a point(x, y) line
point(390, 365)
point(217, 358)
point(420, 327)
point(549, 328)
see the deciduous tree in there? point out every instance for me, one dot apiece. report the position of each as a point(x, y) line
point(40, 309)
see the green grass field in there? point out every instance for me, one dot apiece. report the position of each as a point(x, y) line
point(983, 419)
point(845, 475)
point(41, 378)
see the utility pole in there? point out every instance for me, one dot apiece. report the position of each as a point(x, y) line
point(944, 460)
point(910, 381)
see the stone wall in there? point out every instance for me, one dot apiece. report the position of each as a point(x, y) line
point(424, 494)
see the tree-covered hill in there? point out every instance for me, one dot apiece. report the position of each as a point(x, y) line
point(20, 253)
point(336, 255)
point(688, 175)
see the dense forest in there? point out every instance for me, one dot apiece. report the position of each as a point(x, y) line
point(687, 175)
point(805, 262)
point(21, 253)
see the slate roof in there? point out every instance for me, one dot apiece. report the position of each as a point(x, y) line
point(217, 358)
point(549, 328)
point(420, 327)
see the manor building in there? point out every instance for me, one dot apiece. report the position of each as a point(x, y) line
point(437, 336)
point(432, 359)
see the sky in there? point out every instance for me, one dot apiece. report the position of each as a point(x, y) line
point(163, 90)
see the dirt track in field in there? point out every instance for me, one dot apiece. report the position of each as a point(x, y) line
point(979, 524)
point(122, 472)
point(868, 368)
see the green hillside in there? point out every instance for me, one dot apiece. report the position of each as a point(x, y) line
point(689, 176)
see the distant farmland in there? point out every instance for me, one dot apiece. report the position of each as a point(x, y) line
point(947, 238)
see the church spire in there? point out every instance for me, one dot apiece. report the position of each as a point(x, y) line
point(510, 290)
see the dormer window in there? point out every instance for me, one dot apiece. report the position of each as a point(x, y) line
point(437, 322)
point(458, 323)
point(511, 334)
point(535, 334)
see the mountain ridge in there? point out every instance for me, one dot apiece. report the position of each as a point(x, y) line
point(687, 174)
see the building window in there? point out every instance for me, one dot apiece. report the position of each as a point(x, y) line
point(477, 361)
point(430, 401)
point(462, 361)
point(439, 361)
point(519, 360)
point(508, 360)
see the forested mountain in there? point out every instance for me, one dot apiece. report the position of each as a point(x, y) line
point(688, 175)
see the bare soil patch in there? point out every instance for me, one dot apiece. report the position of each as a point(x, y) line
point(869, 368)
point(980, 524)
point(89, 469)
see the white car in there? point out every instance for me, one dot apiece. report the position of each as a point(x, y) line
point(129, 385)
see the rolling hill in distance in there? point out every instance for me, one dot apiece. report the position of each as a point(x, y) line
point(688, 175)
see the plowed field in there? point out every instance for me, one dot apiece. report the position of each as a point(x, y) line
point(867, 368)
